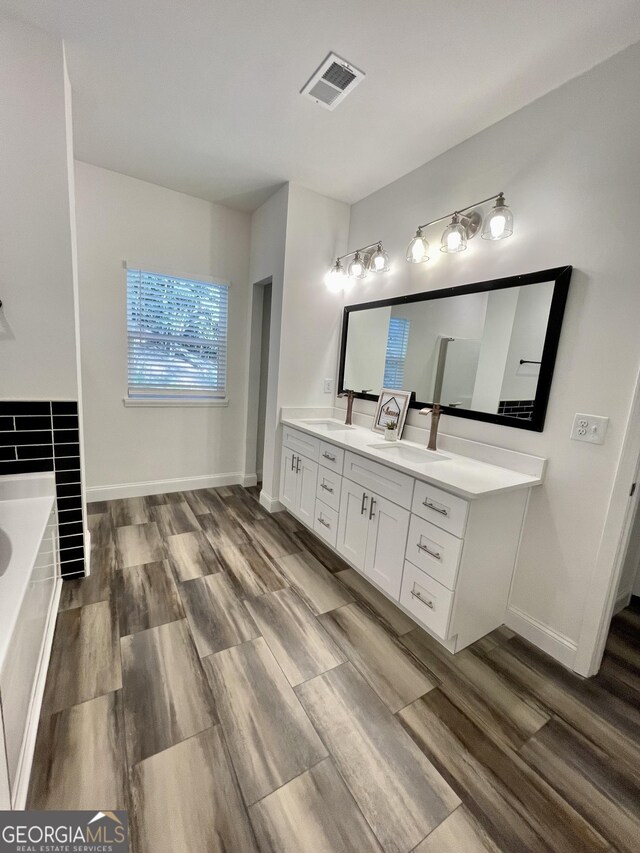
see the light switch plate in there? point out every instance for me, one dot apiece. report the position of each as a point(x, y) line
point(328, 386)
point(589, 428)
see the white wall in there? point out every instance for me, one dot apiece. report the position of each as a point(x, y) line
point(37, 329)
point(121, 218)
point(569, 166)
point(527, 340)
point(366, 354)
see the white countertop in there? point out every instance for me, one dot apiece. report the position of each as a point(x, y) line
point(461, 475)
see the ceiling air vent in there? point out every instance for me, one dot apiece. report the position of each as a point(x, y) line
point(332, 82)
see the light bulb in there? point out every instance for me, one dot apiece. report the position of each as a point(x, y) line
point(454, 237)
point(356, 268)
point(379, 260)
point(335, 277)
point(498, 223)
point(418, 249)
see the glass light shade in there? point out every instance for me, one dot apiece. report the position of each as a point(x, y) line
point(418, 249)
point(498, 223)
point(335, 277)
point(356, 268)
point(379, 261)
point(454, 237)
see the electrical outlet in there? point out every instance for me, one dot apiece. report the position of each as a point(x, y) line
point(590, 428)
point(328, 386)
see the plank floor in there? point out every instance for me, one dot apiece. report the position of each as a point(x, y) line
point(237, 687)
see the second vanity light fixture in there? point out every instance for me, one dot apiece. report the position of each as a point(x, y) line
point(366, 259)
point(465, 224)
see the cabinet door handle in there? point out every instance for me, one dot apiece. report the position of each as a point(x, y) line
point(293, 462)
point(441, 509)
point(434, 554)
point(329, 456)
point(323, 522)
point(298, 465)
point(373, 503)
point(426, 601)
point(326, 488)
point(363, 508)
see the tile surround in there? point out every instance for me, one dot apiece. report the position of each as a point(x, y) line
point(40, 436)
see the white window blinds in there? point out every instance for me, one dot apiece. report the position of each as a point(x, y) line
point(397, 343)
point(177, 333)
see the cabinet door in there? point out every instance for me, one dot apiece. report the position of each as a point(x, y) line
point(386, 541)
point(288, 480)
point(307, 485)
point(353, 523)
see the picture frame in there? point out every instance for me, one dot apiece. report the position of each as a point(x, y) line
point(393, 405)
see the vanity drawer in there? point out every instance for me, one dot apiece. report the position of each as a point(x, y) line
point(440, 508)
point(325, 523)
point(328, 489)
point(434, 551)
point(428, 600)
point(331, 456)
point(300, 442)
point(388, 482)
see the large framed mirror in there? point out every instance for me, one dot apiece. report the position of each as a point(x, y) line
point(484, 351)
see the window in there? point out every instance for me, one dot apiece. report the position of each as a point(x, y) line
point(177, 333)
point(397, 343)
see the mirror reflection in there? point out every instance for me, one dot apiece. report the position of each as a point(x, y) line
point(476, 351)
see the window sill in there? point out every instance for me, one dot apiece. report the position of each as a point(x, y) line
point(159, 402)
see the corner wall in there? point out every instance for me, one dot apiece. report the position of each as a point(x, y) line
point(141, 450)
point(569, 167)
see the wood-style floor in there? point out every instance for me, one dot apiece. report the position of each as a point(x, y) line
point(237, 687)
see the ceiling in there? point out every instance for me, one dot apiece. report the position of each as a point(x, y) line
point(203, 97)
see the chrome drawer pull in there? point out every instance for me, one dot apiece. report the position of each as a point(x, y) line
point(298, 466)
point(293, 462)
point(431, 553)
point(323, 522)
point(329, 456)
point(442, 510)
point(373, 503)
point(326, 488)
point(363, 507)
point(423, 600)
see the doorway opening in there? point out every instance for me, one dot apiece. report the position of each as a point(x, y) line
point(265, 337)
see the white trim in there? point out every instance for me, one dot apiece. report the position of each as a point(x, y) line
point(559, 646)
point(602, 587)
point(160, 487)
point(164, 402)
point(25, 759)
point(269, 503)
point(250, 480)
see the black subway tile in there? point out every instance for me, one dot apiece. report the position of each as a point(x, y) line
point(21, 407)
point(69, 503)
point(66, 450)
point(26, 466)
point(68, 464)
point(6, 423)
point(21, 437)
point(7, 454)
point(65, 421)
point(66, 515)
point(33, 422)
point(67, 477)
point(69, 528)
point(64, 408)
point(70, 490)
point(35, 451)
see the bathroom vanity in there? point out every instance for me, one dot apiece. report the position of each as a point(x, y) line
point(436, 531)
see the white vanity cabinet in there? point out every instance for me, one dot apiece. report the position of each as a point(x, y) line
point(445, 560)
point(298, 478)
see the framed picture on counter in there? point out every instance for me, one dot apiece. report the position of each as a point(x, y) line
point(392, 407)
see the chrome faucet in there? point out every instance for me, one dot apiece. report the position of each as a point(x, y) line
point(350, 395)
point(435, 411)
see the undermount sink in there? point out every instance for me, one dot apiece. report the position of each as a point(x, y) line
point(329, 426)
point(407, 453)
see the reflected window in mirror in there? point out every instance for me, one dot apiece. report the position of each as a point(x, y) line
point(483, 351)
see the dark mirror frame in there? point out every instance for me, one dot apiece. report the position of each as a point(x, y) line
point(560, 275)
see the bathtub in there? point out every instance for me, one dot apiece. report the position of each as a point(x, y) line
point(30, 586)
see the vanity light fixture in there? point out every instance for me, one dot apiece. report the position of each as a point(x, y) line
point(379, 260)
point(465, 223)
point(370, 258)
point(498, 224)
point(418, 249)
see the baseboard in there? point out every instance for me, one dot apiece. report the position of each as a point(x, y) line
point(269, 503)
point(23, 771)
point(159, 487)
point(250, 480)
point(560, 647)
